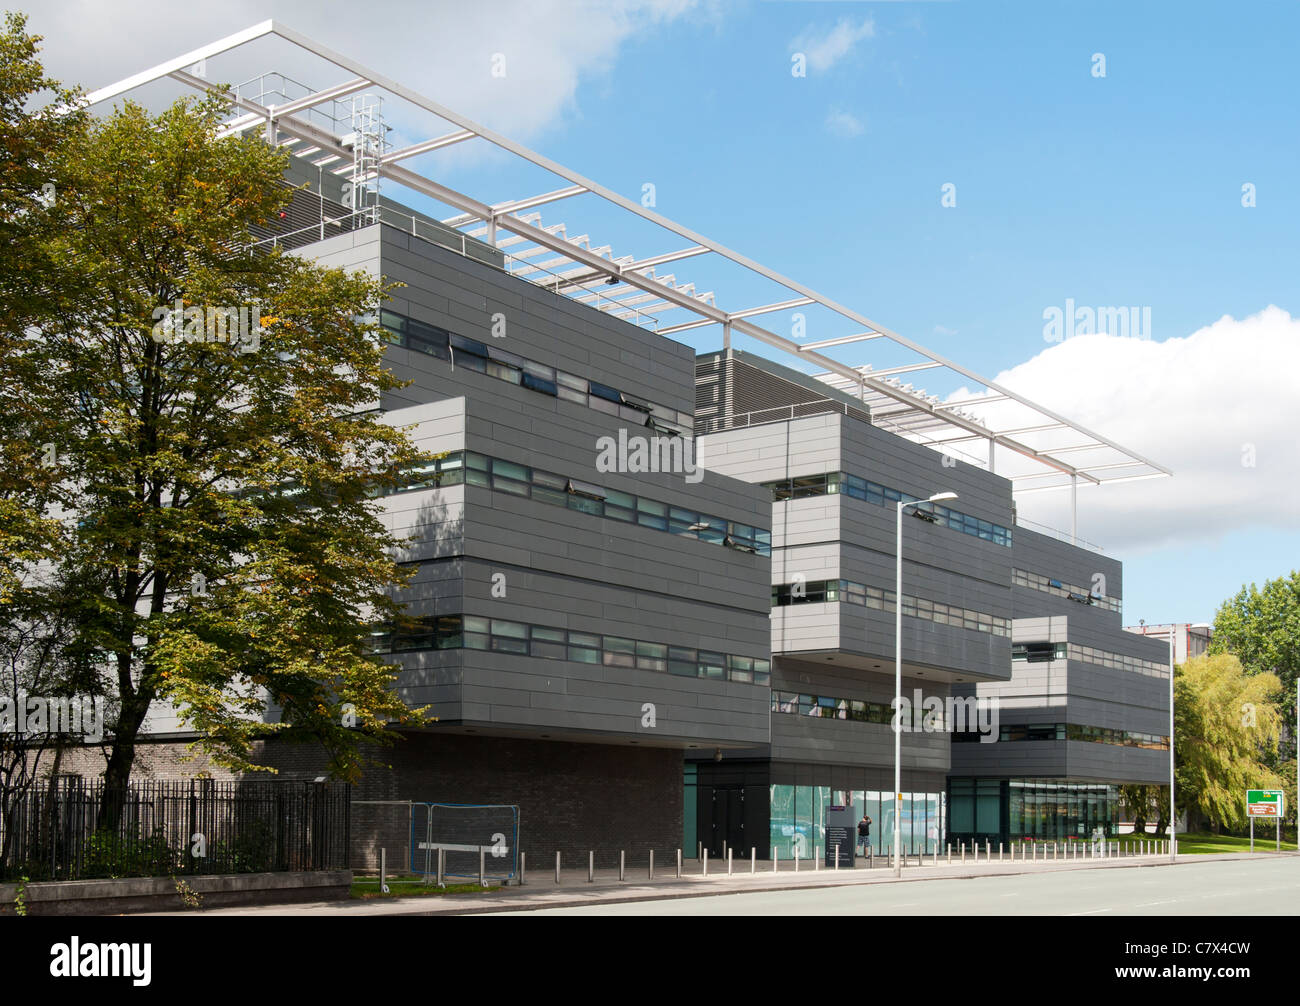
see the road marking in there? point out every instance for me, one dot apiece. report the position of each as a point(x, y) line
point(1148, 904)
point(1095, 911)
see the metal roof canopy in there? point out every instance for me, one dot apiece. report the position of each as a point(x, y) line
point(632, 282)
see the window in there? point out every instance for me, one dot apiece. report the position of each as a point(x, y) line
point(619, 652)
point(550, 488)
point(541, 384)
point(510, 477)
point(468, 354)
point(509, 637)
point(548, 643)
point(584, 648)
point(570, 388)
point(469, 346)
point(620, 506)
point(652, 514)
point(682, 661)
point(476, 632)
point(586, 498)
point(652, 656)
point(712, 665)
point(604, 391)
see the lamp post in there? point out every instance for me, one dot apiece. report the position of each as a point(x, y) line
point(1173, 813)
point(898, 672)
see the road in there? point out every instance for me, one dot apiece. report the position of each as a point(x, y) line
point(1238, 887)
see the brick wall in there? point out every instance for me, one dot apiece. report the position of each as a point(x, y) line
point(571, 797)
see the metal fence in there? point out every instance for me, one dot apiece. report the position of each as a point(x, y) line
point(78, 831)
point(466, 834)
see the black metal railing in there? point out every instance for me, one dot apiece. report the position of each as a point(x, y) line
point(78, 830)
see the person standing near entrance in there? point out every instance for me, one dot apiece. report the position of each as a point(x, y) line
point(864, 835)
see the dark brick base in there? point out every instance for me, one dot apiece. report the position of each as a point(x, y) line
point(571, 797)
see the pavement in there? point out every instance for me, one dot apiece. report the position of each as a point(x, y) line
point(806, 891)
point(1226, 891)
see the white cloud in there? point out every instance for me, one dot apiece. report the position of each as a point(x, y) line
point(843, 124)
point(443, 50)
point(944, 330)
point(1200, 405)
point(826, 48)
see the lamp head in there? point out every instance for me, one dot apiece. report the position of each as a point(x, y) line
point(939, 497)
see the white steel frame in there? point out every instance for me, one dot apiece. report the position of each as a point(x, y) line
point(634, 285)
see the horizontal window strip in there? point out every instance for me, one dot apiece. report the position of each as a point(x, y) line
point(1081, 595)
point(469, 468)
point(843, 483)
point(1042, 652)
point(856, 710)
point(542, 642)
point(541, 378)
point(1073, 732)
point(846, 591)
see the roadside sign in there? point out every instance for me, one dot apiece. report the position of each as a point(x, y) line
point(1265, 803)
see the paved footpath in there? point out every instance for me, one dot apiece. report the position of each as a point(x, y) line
point(574, 891)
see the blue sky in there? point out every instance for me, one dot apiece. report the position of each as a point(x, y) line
point(1122, 190)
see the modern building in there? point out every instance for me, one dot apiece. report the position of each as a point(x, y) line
point(993, 612)
point(653, 598)
point(1085, 711)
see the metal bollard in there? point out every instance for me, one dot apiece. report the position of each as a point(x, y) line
point(728, 861)
point(999, 852)
point(679, 864)
point(705, 864)
point(753, 859)
point(776, 858)
point(557, 868)
point(651, 874)
point(442, 867)
point(796, 860)
point(988, 849)
point(621, 862)
point(817, 858)
point(383, 870)
point(950, 854)
point(591, 867)
point(482, 880)
point(963, 852)
point(523, 866)
point(837, 857)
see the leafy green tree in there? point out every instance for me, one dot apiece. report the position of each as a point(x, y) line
point(1137, 802)
point(1226, 723)
point(216, 492)
point(33, 286)
point(1261, 628)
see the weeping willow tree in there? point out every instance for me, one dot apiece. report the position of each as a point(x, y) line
point(1228, 726)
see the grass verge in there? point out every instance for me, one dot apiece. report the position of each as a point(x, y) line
point(1201, 844)
point(367, 888)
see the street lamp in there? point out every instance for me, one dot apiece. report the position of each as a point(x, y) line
point(898, 673)
point(1173, 813)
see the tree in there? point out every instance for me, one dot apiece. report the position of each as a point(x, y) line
point(1261, 628)
point(213, 407)
point(1137, 802)
point(30, 213)
point(1226, 724)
